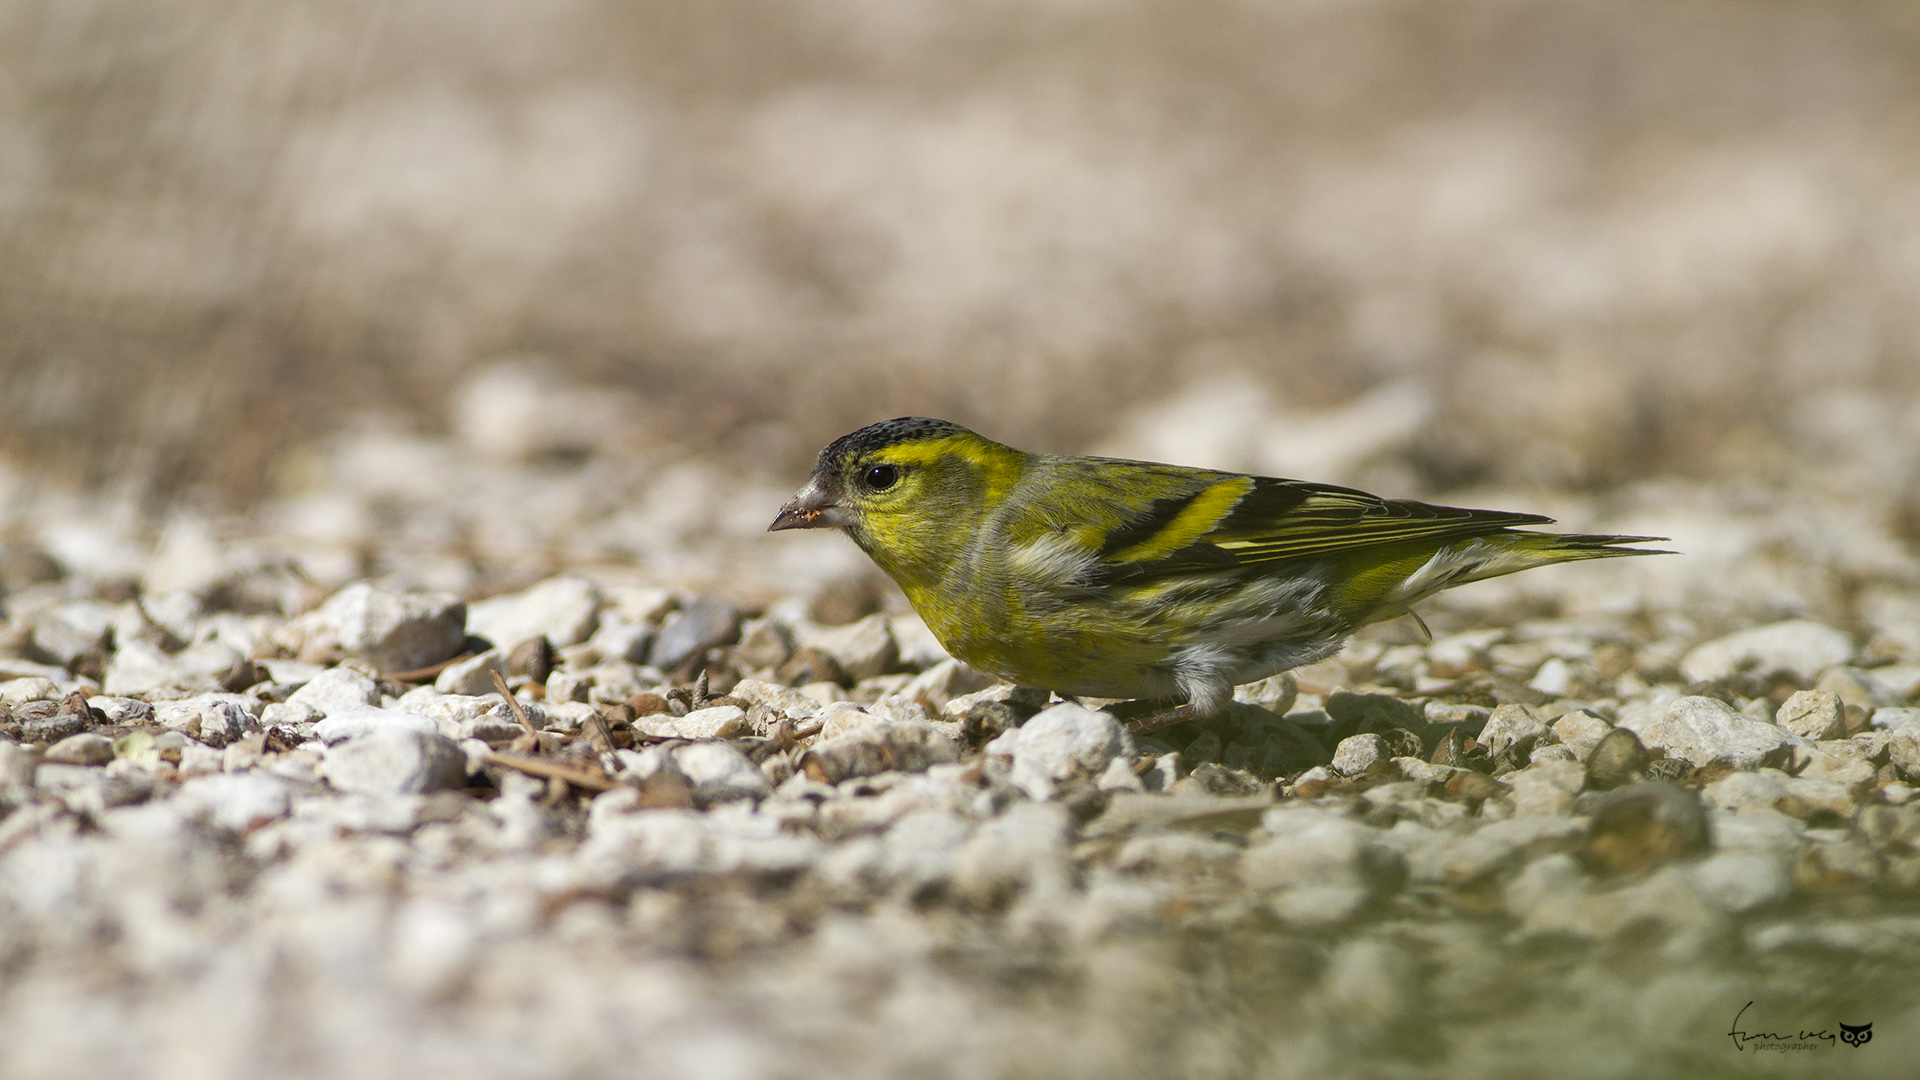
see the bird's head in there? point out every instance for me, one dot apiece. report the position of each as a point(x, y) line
point(909, 491)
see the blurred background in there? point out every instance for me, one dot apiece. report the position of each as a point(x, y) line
point(1414, 244)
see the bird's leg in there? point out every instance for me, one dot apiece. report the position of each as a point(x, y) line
point(1162, 718)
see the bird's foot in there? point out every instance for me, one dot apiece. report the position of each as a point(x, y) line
point(1154, 721)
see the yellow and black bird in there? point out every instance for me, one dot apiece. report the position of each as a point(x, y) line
point(1129, 579)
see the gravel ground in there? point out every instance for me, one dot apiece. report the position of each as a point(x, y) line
point(264, 813)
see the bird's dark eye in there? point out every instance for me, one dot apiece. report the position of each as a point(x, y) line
point(881, 477)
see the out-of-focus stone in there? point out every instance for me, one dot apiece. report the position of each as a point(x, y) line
point(394, 631)
point(564, 609)
point(864, 649)
point(474, 675)
point(1062, 742)
point(1546, 789)
point(1616, 760)
point(1275, 693)
point(719, 773)
point(1358, 755)
point(717, 722)
point(1705, 731)
point(693, 630)
point(1580, 731)
point(337, 689)
point(346, 724)
point(214, 719)
point(395, 761)
point(878, 748)
point(1643, 826)
point(1511, 726)
point(85, 748)
point(1813, 714)
point(945, 681)
point(1320, 869)
point(1799, 647)
point(1371, 712)
point(238, 802)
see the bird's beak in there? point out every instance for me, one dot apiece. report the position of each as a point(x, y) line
point(814, 508)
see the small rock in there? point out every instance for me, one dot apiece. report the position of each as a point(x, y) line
point(531, 659)
point(1371, 712)
point(396, 761)
point(719, 773)
point(474, 675)
point(347, 724)
point(1704, 731)
point(335, 690)
point(864, 650)
point(1511, 726)
point(699, 626)
point(1798, 647)
point(239, 802)
point(1023, 851)
point(1814, 715)
point(1643, 826)
point(716, 722)
point(878, 748)
point(85, 748)
point(1275, 693)
point(945, 681)
point(1062, 742)
point(564, 609)
point(1616, 760)
point(1320, 869)
point(1742, 881)
point(1580, 731)
point(1470, 719)
point(764, 644)
point(1859, 687)
point(214, 719)
point(621, 638)
point(393, 631)
point(1546, 789)
point(121, 710)
point(1358, 755)
point(1218, 781)
point(287, 714)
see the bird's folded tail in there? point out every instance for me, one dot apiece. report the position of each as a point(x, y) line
point(1512, 550)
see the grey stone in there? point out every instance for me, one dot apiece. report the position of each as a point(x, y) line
point(354, 723)
point(1359, 754)
point(1514, 726)
point(1646, 825)
point(1319, 869)
point(1547, 788)
point(1275, 693)
point(394, 760)
point(288, 714)
point(945, 681)
point(878, 748)
point(393, 631)
point(719, 773)
point(1616, 760)
point(136, 668)
point(214, 719)
point(1372, 712)
point(72, 630)
point(1814, 715)
point(1061, 742)
point(692, 630)
point(474, 675)
point(1742, 881)
point(1799, 647)
point(85, 748)
point(1580, 731)
point(121, 710)
point(717, 722)
point(1023, 851)
point(564, 609)
point(1857, 686)
point(864, 649)
point(239, 802)
point(335, 690)
point(621, 638)
point(1705, 731)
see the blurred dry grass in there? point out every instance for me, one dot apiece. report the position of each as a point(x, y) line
point(1613, 239)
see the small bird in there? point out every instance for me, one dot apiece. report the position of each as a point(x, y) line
point(1109, 578)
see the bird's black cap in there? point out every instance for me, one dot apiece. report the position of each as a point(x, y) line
point(886, 433)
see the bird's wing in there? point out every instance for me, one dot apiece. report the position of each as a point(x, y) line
point(1242, 520)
